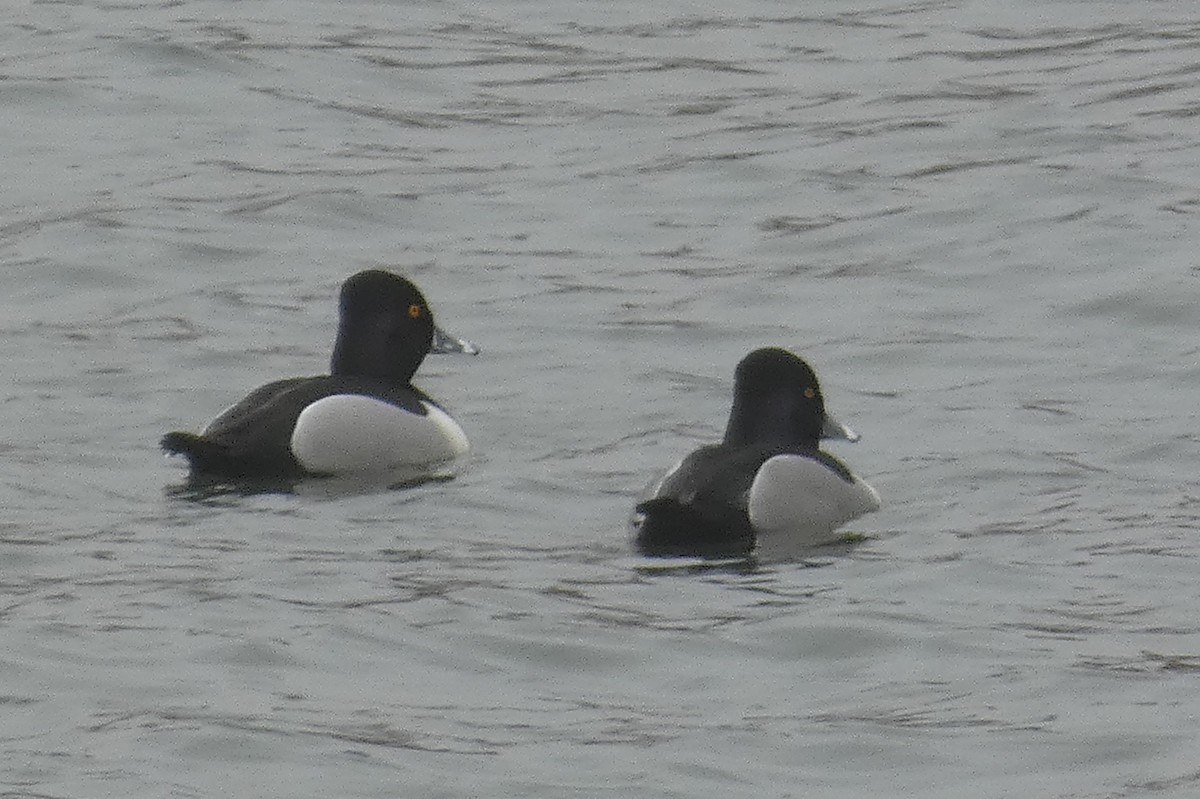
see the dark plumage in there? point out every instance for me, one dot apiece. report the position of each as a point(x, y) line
point(385, 330)
point(704, 506)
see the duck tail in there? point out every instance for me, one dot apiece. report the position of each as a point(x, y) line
point(202, 454)
point(668, 528)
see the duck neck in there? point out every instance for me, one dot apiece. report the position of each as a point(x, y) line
point(365, 354)
point(771, 421)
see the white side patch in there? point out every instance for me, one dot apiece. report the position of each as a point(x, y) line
point(352, 433)
point(651, 491)
point(804, 502)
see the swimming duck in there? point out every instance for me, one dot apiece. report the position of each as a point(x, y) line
point(365, 415)
point(767, 482)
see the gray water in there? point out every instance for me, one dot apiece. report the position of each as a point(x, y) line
point(978, 220)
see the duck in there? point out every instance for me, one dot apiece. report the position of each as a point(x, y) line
point(364, 416)
point(767, 484)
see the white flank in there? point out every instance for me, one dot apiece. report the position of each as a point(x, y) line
point(803, 502)
point(352, 433)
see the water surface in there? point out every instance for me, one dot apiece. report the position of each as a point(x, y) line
point(976, 219)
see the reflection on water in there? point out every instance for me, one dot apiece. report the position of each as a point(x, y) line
point(199, 487)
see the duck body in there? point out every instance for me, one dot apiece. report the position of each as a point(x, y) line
point(323, 426)
point(363, 416)
point(767, 484)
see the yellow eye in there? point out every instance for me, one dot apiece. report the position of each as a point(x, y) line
point(809, 393)
point(414, 311)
